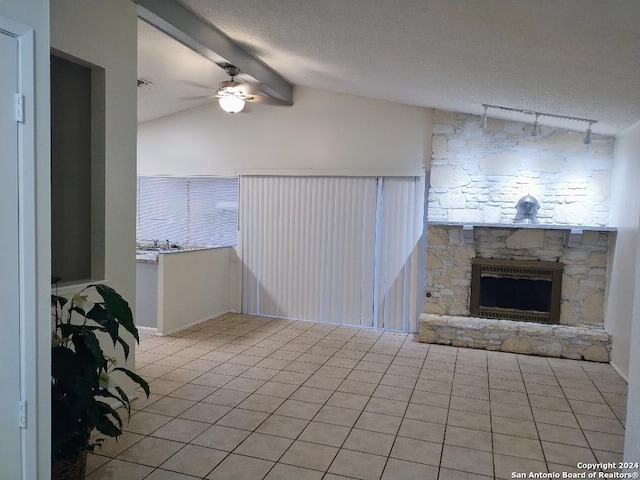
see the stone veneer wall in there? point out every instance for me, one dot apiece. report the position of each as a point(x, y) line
point(449, 254)
point(479, 175)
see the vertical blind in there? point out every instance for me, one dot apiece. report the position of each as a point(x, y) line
point(399, 246)
point(189, 210)
point(332, 249)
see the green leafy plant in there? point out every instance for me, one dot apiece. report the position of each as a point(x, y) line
point(82, 380)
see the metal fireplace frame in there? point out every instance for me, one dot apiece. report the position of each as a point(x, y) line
point(515, 269)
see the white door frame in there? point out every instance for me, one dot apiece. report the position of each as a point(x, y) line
point(29, 296)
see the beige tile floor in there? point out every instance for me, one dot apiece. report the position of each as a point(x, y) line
point(242, 397)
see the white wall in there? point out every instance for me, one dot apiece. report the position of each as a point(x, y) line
point(104, 34)
point(632, 438)
point(35, 14)
point(146, 295)
point(322, 130)
point(192, 287)
point(623, 308)
point(625, 213)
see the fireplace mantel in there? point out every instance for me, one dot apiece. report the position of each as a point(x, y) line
point(578, 229)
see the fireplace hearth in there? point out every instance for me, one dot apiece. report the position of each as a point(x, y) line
point(521, 290)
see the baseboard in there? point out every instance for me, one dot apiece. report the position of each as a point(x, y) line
point(147, 330)
point(619, 372)
point(197, 322)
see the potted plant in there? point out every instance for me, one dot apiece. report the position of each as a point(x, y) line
point(82, 376)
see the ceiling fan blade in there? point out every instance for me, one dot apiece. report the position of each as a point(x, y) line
point(191, 83)
point(255, 93)
point(263, 99)
point(199, 97)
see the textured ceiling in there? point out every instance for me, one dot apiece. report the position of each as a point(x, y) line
point(569, 57)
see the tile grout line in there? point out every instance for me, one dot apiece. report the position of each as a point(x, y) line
point(572, 410)
point(446, 425)
point(574, 413)
point(493, 453)
point(406, 408)
point(535, 422)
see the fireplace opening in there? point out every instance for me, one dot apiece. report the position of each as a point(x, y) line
point(516, 290)
point(521, 294)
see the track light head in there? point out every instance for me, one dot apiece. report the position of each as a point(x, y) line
point(535, 131)
point(587, 135)
point(483, 119)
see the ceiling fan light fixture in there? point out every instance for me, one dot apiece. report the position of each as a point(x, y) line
point(231, 103)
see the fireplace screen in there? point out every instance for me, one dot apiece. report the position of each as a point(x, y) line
point(520, 290)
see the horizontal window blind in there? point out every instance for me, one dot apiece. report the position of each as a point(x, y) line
point(213, 218)
point(162, 209)
point(188, 210)
point(316, 248)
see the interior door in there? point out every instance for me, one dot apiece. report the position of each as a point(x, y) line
point(10, 452)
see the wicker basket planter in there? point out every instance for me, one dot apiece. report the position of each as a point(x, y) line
point(70, 469)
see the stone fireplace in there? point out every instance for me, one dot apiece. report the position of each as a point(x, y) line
point(476, 176)
point(577, 258)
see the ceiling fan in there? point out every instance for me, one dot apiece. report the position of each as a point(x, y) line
point(231, 94)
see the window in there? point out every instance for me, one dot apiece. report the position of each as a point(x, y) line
point(199, 211)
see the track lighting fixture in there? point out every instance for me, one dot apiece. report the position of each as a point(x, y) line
point(483, 119)
point(535, 132)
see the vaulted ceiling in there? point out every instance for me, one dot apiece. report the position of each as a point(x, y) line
point(571, 57)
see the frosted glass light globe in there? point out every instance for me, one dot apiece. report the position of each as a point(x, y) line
point(231, 103)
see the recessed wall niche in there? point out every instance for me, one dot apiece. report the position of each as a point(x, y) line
point(77, 170)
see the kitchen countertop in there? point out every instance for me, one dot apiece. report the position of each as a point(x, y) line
point(147, 253)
